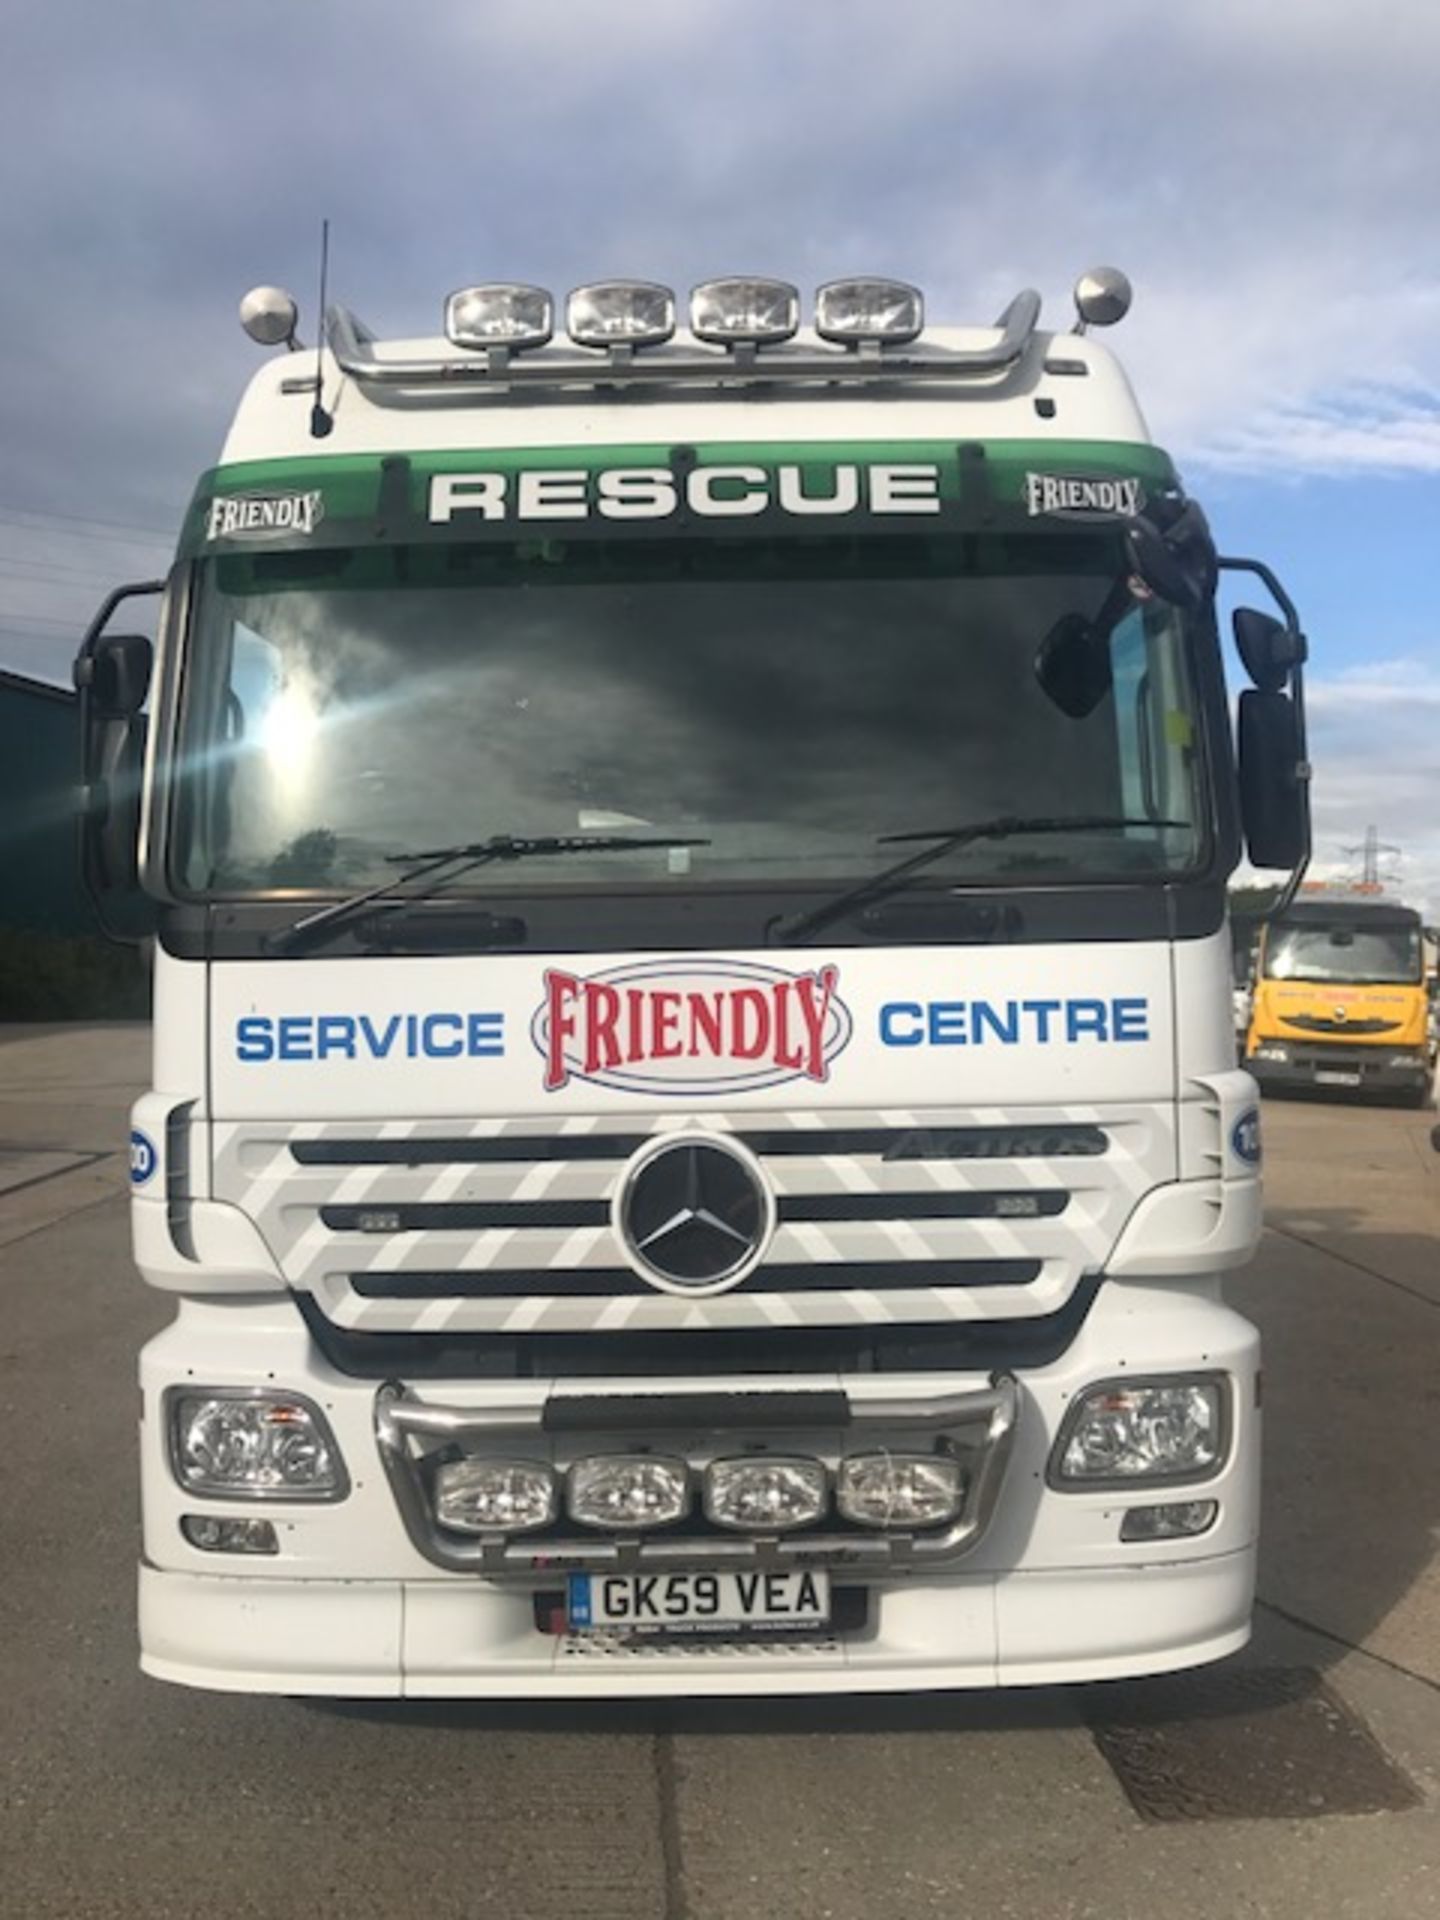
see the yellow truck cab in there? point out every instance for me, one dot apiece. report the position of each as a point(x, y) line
point(1340, 1000)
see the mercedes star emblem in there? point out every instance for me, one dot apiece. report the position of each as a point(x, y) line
point(694, 1214)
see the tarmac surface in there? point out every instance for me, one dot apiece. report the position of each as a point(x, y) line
point(1302, 1779)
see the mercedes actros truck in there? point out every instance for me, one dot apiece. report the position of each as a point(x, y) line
point(695, 1132)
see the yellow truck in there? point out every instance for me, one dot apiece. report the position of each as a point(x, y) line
point(1340, 1000)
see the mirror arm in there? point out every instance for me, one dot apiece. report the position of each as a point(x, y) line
point(85, 658)
point(1302, 779)
point(1234, 563)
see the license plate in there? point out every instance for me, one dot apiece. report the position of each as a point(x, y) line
point(696, 1602)
point(1323, 1079)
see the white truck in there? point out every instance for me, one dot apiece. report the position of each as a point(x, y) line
point(695, 1128)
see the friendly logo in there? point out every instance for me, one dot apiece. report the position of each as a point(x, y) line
point(1074, 497)
point(690, 1027)
point(254, 516)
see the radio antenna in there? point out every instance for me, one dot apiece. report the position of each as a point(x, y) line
point(321, 421)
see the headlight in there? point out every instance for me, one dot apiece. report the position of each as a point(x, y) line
point(241, 1445)
point(1158, 1431)
point(624, 1490)
point(495, 1496)
point(763, 1491)
point(899, 1489)
point(1270, 1052)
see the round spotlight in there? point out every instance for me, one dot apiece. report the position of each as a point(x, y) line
point(1102, 297)
point(269, 315)
point(620, 313)
point(744, 310)
point(866, 312)
point(499, 314)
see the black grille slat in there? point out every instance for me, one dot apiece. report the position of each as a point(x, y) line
point(564, 1283)
point(608, 1282)
point(1030, 1142)
point(460, 1152)
point(994, 1143)
point(878, 1278)
point(417, 1216)
point(1028, 1205)
point(436, 1216)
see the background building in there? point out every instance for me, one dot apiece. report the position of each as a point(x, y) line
point(39, 774)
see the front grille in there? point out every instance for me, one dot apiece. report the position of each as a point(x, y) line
point(1325, 1023)
point(505, 1226)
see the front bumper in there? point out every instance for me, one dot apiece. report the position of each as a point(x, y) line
point(386, 1639)
point(1306, 1066)
point(1046, 1591)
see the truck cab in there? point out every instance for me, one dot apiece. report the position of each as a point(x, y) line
point(1341, 1001)
point(695, 1130)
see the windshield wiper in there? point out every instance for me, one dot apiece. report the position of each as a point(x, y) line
point(439, 866)
point(945, 840)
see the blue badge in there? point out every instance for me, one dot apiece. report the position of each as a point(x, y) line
point(1245, 1137)
point(144, 1158)
point(578, 1608)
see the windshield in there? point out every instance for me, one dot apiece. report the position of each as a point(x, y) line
point(1344, 954)
point(786, 701)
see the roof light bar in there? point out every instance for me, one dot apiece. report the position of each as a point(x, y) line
point(500, 313)
point(744, 311)
point(440, 375)
point(856, 313)
point(620, 313)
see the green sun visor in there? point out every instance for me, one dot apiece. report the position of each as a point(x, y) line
point(805, 490)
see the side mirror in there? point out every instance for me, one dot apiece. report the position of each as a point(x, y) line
point(112, 678)
point(1272, 788)
point(1268, 649)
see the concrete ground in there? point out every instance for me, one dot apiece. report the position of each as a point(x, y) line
point(119, 1796)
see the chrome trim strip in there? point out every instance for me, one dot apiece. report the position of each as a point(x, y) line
point(979, 1424)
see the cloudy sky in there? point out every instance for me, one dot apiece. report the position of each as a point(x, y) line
point(1265, 170)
